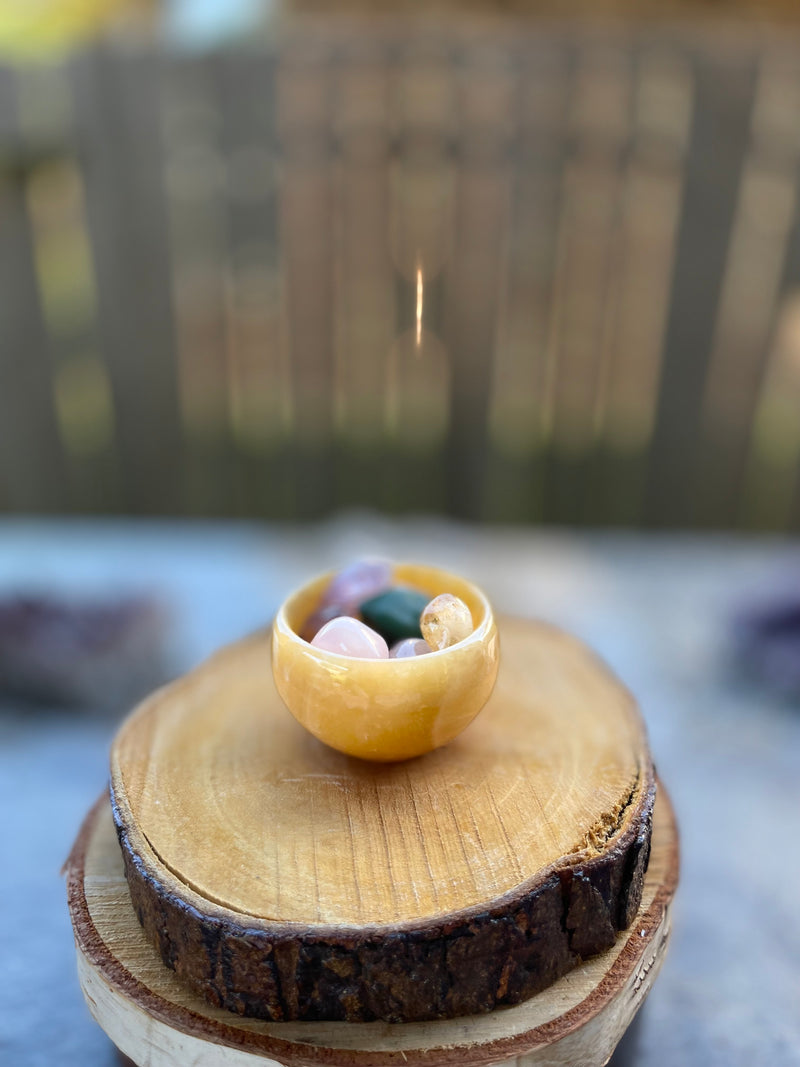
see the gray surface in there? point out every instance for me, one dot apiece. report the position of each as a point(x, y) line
point(729, 994)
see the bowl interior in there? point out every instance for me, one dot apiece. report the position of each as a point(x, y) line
point(429, 580)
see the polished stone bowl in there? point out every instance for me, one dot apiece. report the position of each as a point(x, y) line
point(393, 709)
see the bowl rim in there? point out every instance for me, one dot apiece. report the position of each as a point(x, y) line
point(479, 635)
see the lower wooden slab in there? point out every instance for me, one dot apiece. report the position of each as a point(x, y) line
point(156, 1020)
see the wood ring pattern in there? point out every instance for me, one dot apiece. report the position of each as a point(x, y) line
point(552, 882)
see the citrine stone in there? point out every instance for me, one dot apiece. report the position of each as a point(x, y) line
point(446, 621)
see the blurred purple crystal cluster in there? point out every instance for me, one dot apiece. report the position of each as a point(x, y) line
point(766, 642)
point(90, 653)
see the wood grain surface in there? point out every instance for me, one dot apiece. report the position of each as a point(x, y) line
point(286, 881)
point(156, 1019)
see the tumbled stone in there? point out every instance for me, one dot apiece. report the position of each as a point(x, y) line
point(408, 648)
point(358, 581)
point(314, 623)
point(349, 637)
point(445, 621)
point(395, 613)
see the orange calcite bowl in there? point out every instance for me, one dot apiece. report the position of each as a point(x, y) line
point(386, 710)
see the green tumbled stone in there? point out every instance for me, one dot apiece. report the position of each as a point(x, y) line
point(395, 613)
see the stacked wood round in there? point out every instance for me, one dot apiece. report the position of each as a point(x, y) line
point(284, 882)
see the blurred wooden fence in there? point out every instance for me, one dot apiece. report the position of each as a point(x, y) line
point(498, 270)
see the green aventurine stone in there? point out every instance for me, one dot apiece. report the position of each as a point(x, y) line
point(395, 613)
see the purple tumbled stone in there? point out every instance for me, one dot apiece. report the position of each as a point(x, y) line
point(349, 637)
point(357, 582)
point(409, 647)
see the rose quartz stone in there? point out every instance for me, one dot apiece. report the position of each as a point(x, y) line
point(315, 621)
point(349, 637)
point(358, 582)
point(409, 647)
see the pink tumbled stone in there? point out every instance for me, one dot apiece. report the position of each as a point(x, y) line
point(409, 647)
point(349, 637)
point(315, 621)
point(358, 582)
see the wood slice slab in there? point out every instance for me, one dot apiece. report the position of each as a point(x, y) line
point(285, 881)
point(156, 1019)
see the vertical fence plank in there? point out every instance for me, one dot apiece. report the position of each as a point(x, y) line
point(117, 100)
point(751, 284)
point(257, 355)
point(770, 476)
point(724, 85)
point(649, 215)
point(195, 179)
point(769, 494)
point(476, 280)
point(32, 467)
point(364, 282)
point(67, 288)
point(786, 338)
point(418, 364)
point(515, 483)
point(307, 224)
point(587, 286)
